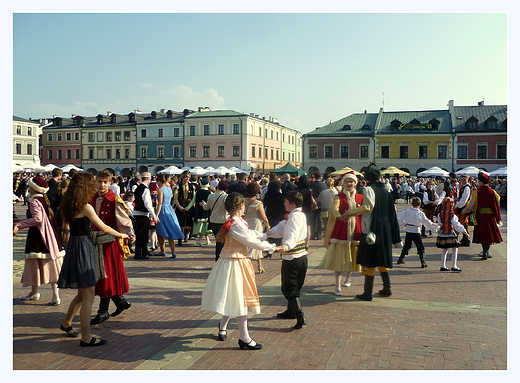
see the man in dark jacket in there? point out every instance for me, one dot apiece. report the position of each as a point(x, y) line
point(240, 186)
point(380, 230)
point(317, 186)
point(53, 183)
point(287, 185)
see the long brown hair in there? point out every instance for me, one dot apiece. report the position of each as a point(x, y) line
point(81, 189)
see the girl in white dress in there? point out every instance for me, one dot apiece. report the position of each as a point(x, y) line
point(231, 288)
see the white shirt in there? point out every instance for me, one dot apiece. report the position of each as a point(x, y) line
point(147, 200)
point(413, 218)
point(292, 231)
point(466, 193)
point(325, 198)
point(116, 189)
point(251, 238)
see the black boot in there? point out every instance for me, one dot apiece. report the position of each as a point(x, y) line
point(179, 242)
point(102, 314)
point(367, 293)
point(423, 263)
point(423, 232)
point(121, 304)
point(140, 253)
point(386, 285)
point(401, 257)
point(296, 308)
point(287, 314)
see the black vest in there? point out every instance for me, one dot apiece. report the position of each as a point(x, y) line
point(139, 203)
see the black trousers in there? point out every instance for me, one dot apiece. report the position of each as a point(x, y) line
point(293, 276)
point(316, 224)
point(142, 225)
point(415, 238)
point(215, 228)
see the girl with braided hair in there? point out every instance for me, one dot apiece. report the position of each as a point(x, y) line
point(447, 237)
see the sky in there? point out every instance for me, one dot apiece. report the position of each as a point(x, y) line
point(305, 69)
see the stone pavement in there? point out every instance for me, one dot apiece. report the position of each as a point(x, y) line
point(433, 320)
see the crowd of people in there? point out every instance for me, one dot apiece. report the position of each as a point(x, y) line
point(82, 227)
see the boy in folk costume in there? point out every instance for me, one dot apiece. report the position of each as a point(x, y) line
point(293, 232)
point(113, 211)
point(412, 219)
point(447, 237)
point(184, 200)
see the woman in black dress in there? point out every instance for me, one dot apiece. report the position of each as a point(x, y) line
point(81, 265)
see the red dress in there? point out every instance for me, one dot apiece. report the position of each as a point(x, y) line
point(487, 215)
point(116, 282)
point(340, 230)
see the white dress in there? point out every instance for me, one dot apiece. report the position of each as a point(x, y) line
point(230, 289)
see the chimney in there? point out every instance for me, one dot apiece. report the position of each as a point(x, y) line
point(481, 103)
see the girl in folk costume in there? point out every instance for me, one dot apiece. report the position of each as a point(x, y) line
point(43, 249)
point(486, 203)
point(447, 237)
point(231, 288)
point(429, 198)
point(343, 233)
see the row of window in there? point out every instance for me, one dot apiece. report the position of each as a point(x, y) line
point(59, 154)
point(343, 151)
point(206, 151)
point(19, 130)
point(59, 136)
point(28, 147)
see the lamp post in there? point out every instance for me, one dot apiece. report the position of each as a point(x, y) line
point(453, 134)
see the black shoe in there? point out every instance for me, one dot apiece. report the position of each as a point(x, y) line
point(179, 242)
point(247, 346)
point(456, 269)
point(68, 330)
point(385, 292)
point(423, 264)
point(286, 315)
point(124, 305)
point(444, 269)
point(222, 334)
point(365, 297)
point(93, 342)
point(100, 317)
point(400, 261)
point(300, 320)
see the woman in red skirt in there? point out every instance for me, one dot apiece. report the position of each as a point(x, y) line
point(486, 203)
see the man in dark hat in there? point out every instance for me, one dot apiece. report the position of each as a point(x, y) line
point(380, 230)
point(184, 199)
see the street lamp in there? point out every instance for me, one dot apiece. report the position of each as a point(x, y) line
point(453, 134)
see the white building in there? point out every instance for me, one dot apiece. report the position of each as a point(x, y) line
point(26, 147)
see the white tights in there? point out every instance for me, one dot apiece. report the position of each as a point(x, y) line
point(242, 327)
point(453, 257)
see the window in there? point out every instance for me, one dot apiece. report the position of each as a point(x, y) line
point(193, 151)
point(266, 154)
point(18, 148)
point(117, 136)
point(144, 151)
point(363, 151)
point(59, 136)
point(91, 137)
point(403, 152)
point(91, 154)
point(127, 153)
point(29, 149)
point(160, 152)
point(76, 136)
point(109, 154)
point(259, 152)
point(283, 156)
point(276, 136)
point(283, 137)
point(272, 154)
point(206, 130)
point(160, 132)
point(423, 151)
point(220, 151)
point(143, 133)
point(501, 151)
point(253, 151)
point(472, 124)
point(18, 130)
point(68, 136)
point(59, 156)
point(76, 154)
point(346, 127)
point(236, 129)
point(260, 132)
point(176, 152)
point(365, 127)
point(126, 136)
point(313, 152)
point(344, 151)
point(118, 154)
point(68, 154)
point(481, 152)
point(271, 134)
point(175, 132)
point(192, 130)
point(277, 154)
point(236, 151)
point(221, 130)
point(109, 136)
point(205, 150)
point(49, 137)
point(328, 151)
point(29, 130)
point(49, 154)
point(442, 152)
point(462, 152)
point(265, 133)
point(385, 151)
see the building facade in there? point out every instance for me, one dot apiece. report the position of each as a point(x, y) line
point(61, 141)
point(26, 141)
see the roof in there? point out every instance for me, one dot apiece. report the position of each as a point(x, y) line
point(215, 113)
point(289, 168)
point(461, 114)
point(410, 118)
point(21, 119)
point(356, 122)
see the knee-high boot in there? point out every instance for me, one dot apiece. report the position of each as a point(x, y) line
point(121, 304)
point(386, 284)
point(102, 314)
point(369, 285)
point(296, 308)
point(423, 263)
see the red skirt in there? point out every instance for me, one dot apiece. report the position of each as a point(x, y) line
point(116, 282)
point(486, 230)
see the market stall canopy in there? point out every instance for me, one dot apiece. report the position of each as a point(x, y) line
point(238, 170)
point(393, 170)
point(49, 167)
point(171, 170)
point(434, 172)
point(289, 168)
point(223, 170)
point(500, 172)
point(346, 169)
point(68, 168)
point(471, 171)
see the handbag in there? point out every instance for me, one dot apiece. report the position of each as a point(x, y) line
point(314, 204)
point(465, 242)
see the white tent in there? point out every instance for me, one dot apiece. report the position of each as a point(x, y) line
point(49, 167)
point(434, 172)
point(500, 172)
point(68, 168)
point(171, 170)
point(199, 171)
point(17, 168)
point(471, 171)
point(223, 170)
point(32, 167)
point(237, 170)
point(185, 168)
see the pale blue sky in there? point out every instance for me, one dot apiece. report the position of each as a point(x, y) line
point(304, 69)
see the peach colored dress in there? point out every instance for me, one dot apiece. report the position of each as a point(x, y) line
point(230, 289)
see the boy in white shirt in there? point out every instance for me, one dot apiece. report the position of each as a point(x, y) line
point(294, 255)
point(412, 219)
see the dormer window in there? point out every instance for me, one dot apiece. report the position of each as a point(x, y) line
point(365, 127)
point(491, 123)
point(131, 117)
point(169, 114)
point(78, 120)
point(99, 119)
point(57, 121)
point(395, 124)
point(347, 127)
point(415, 122)
point(472, 123)
point(434, 123)
point(113, 118)
point(153, 115)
